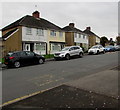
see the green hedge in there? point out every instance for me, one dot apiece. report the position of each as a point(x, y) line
point(2, 60)
point(49, 56)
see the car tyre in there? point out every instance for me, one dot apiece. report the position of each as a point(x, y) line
point(17, 64)
point(41, 61)
point(103, 52)
point(67, 57)
point(80, 55)
point(97, 52)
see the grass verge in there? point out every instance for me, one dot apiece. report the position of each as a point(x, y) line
point(48, 56)
point(2, 60)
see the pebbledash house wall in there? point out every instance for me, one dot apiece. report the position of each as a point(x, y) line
point(92, 40)
point(81, 40)
point(35, 39)
point(97, 40)
point(14, 42)
point(58, 40)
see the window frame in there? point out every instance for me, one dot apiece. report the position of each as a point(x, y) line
point(61, 34)
point(40, 32)
point(53, 33)
point(28, 31)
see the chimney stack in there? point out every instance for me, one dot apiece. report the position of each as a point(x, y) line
point(88, 28)
point(72, 25)
point(36, 14)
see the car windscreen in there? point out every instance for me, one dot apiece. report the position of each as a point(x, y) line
point(109, 47)
point(64, 49)
point(94, 47)
point(10, 54)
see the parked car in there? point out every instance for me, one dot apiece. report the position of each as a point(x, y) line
point(109, 48)
point(68, 52)
point(117, 47)
point(96, 49)
point(19, 58)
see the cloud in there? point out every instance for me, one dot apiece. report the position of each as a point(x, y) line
point(101, 16)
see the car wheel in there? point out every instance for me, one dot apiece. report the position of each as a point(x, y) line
point(41, 61)
point(103, 52)
point(80, 55)
point(17, 64)
point(97, 52)
point(67, 57)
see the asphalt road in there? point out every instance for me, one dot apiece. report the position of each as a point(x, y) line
point(26, 80)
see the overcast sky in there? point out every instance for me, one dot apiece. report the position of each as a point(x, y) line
point(102, 17)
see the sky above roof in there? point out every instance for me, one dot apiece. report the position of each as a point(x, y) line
point(102, 17)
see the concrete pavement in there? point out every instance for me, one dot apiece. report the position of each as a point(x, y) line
point(105, 82)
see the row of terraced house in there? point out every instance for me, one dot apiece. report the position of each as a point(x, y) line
point(33, 33)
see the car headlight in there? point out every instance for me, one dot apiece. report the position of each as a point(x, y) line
point(43, 56)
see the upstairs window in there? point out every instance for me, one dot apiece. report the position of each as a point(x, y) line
point(53, 33)
point(28, 31)
point(40, 32)
point(61, 34)
point(79, 35)
point(83, 36)
point(75, 34)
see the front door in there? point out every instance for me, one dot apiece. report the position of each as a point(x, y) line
point(27, 47)
point(32, 47)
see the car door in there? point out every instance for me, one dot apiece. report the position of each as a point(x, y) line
point(100, 48)
point(76, 50)
point(72, 51)
point(30, 57)
point(22, 57)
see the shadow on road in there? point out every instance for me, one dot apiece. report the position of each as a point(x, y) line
point(66, 97)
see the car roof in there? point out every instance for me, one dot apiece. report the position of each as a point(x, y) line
point(18, 51)
point(97, 45)
point(109, 46)
point(72, 46)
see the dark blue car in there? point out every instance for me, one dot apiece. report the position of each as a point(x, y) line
point(109, 48)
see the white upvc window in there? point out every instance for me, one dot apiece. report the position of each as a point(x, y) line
point(75, 34)
point(83, 36)
point(53, 33)
point(40, 32)
point(61, 34)
point(40, 46)
point(79, 35)
point(28, 31)
point(56, 47)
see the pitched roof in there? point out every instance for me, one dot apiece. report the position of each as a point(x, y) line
point(90, 33)
point(68, 29)
point(31, 21)
point(4, 37)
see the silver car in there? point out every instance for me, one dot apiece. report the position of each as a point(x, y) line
point(68, 52)
point(96, 49)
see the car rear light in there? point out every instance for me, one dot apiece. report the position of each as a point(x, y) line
point(11, 57)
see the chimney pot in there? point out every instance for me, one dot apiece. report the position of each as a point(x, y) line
point(88, 28)
point(36, 14)
point(72, 25)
